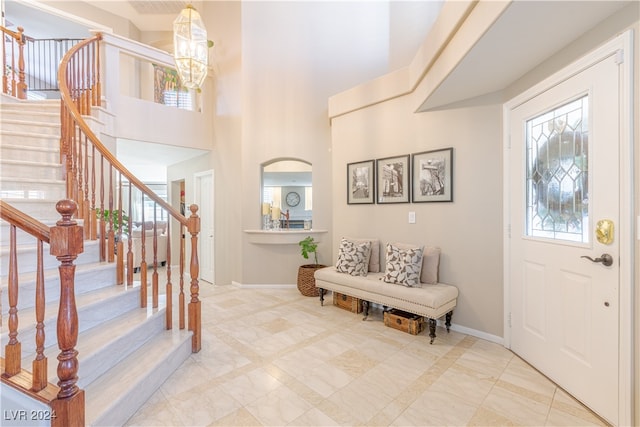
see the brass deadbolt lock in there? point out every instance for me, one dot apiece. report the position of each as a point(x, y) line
point(605, 231)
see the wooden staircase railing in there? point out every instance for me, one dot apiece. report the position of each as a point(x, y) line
point(88, 178)
point(65, 242)
point(13, 76)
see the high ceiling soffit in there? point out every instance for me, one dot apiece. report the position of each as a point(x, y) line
point(523, 37)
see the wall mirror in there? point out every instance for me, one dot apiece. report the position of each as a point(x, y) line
point(286, 186)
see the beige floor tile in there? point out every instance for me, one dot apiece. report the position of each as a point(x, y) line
point(279, 407)
point(471, 388)
point(515, 407)
point(314, 418)
point(436, 409)
point(238, 418)
point(251, 386)
point(274, 357)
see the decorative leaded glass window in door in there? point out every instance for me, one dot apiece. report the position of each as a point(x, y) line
point(557, 173)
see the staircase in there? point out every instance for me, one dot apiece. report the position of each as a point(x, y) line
point(125, 352)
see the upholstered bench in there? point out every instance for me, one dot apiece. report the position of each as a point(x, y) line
point(427, 298)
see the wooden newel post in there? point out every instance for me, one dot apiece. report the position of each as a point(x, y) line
point(195, 322)
point(66, 243)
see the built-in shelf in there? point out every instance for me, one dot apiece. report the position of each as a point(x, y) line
point(283, 237)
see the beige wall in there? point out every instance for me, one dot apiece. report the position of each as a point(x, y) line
point(469, 230)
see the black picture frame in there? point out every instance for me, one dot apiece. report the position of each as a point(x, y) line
point(432, 176)
point(393, 179)
point(361, 183)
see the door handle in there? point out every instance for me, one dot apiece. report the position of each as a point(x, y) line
point(605, 259)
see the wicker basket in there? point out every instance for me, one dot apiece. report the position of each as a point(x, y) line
point(306, 280)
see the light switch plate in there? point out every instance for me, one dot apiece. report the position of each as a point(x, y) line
point(412, 217)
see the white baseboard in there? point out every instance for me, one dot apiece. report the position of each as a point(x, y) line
point(474, 333)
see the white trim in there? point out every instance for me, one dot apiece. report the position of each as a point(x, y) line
point(197, 190)
point(627, 259)
point(473, 332)
point(624, 43)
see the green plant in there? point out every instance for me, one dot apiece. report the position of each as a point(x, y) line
point(308, 246)
point(106, 214)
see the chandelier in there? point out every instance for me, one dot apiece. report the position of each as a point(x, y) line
point(190, 47)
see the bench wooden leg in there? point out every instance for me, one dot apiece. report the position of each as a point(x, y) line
point(365, 307)
point(448, 320)
point(321, 292)
point(432, 330)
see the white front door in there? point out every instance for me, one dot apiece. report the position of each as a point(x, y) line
point(563, 192)
point(204, 199)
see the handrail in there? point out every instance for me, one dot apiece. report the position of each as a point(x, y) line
point(70, 104)
point(24, 222)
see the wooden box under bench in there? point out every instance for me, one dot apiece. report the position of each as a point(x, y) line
point(347, 302)
point(403, 321)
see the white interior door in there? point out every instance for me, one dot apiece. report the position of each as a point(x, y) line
point(204, 199)
point(564, 180)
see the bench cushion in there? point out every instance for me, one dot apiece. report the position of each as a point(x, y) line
point(430, 300)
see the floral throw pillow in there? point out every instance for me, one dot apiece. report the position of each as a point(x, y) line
point(353, 258)
point(403, 266)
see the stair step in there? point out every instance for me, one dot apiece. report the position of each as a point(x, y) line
point(15, 169)
point(12, 104)
point(34, 154)
point(89, 277)
point(31, 124)
point(114, 397)
point(41, 208)
point(31, 139)
point(16, 113)
point(102, 347)
point(27, 261)
point(93, 308)
point(16, 188)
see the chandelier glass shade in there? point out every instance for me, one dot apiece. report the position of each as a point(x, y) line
point(190, 48)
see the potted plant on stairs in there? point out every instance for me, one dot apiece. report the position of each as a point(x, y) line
point(306, 280)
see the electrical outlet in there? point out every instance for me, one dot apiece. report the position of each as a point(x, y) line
point(412, 217)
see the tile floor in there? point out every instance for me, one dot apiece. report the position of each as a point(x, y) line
point(276, 358)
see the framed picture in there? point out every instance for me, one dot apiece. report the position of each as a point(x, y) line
point(393, 179)
point(432, 176)
point(360, 183)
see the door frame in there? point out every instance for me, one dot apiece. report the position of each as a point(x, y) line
point(197, 195)
point(621, 46)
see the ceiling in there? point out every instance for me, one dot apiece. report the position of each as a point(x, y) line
point(147, 15)
point(137, 153)
point(527, 34)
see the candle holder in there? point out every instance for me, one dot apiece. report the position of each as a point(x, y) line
point(275, 224)
point(266, 222)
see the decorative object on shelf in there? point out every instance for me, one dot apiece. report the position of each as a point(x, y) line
point(190, 47)
point(266, 216)
point(307, 224)
point(286, 219)
point(393, 174)
point(361, 182)
point(306, 280)
point(292, 199)
point(275, 217)
point(432, 178)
